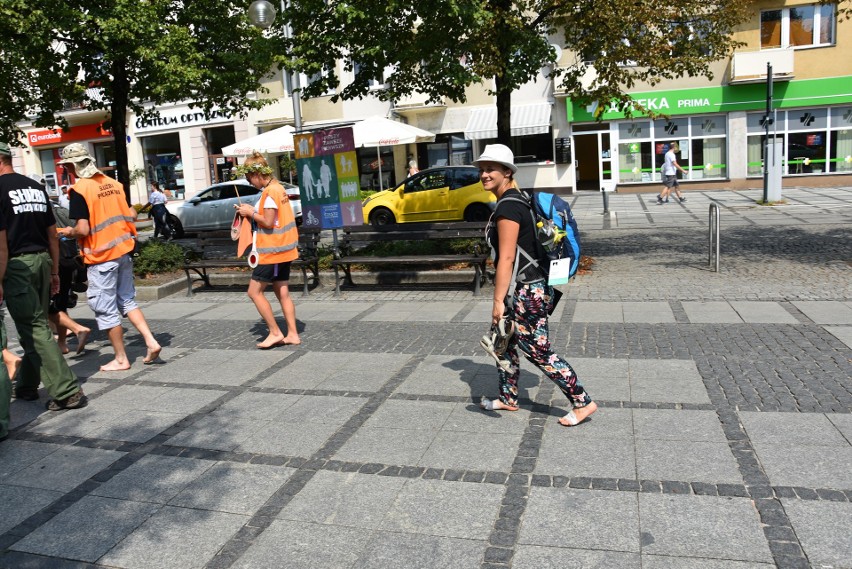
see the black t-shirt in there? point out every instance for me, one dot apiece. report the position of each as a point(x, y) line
point(77, 206)
point(25, 214)
point(522, 215)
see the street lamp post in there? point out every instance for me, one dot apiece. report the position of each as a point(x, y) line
point(262, 13)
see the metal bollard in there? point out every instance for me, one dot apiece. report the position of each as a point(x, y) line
point(605, 202)
point(713, 235)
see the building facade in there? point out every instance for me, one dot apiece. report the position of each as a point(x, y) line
point(558, 143)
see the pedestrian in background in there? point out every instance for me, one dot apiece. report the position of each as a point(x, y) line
point(62, 200)
point(277, 246)
point(157, 202)
point(59, 302)
point(31, 275)
point(670, 168)
point(528, 305)
point(106, 233)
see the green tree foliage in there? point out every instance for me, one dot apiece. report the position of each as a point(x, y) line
point(127, 54)
point(438, 47)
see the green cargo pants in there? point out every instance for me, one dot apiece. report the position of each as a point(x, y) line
point(27, 292)
point(5, 386)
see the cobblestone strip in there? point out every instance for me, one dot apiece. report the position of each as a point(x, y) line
point(306, 469)
point(504, 535)
point(783, 542)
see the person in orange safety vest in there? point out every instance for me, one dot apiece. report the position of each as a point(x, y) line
point(106, 233)
point(277, 241)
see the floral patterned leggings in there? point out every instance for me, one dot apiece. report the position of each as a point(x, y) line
point(531, 305)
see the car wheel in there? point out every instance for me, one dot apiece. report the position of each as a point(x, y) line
point(176, 226)
point(477, 212)
point(382, 216)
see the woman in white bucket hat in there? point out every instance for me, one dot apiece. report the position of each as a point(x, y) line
point(528, 305)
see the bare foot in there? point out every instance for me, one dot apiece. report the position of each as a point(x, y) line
point(152, 355)
point(577, 416)
point(13, 367)
point(82, 339)
point(496, 405)
point(291, 340)
point(115, 365)
point(64, 349)
point(271, 341)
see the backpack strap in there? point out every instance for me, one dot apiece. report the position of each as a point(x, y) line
point(531, 261)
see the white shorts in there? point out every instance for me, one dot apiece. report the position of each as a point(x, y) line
point(111, 293)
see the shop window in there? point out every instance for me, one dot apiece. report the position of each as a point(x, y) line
point(449, 150)
point(799, 26)
point(840, 146)
point(707, 159)
point(805, 152)
point(163, 162)
point(528, 149)
point(371, 162)
point(636, 162)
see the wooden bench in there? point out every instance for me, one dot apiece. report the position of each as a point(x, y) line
point(351, 239)
point(216, 250)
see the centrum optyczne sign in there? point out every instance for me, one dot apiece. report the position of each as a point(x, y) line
point(328, 178)
point(179, 117)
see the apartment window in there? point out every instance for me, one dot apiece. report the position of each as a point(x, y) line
point(799, 26)
point(374, 82)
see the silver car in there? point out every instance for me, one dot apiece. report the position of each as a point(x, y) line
point(213, 208)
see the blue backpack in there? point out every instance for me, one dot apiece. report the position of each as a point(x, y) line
point(558, 236)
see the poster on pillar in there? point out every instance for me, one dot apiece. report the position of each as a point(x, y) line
point(328, 178)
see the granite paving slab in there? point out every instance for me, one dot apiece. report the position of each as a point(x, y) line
point(344, 499)
point(446, 509)
point(470, 418)
point(287, 439)
point(541, 557)
point(230, 311)
point(257, 406)
point(174, 310)
point(471, 451)
point(417, 415)
point(702, 526)
point(64, 469)
point(842, 333)
point(648, 312)
point(217, 367)
point(18, 503)
point(754, 312)
point(391, 550)
point(803, 429)
point(609, 520)
point(232, 487)
point(823, 529)
point(88, 529)
point(711, 313)
point(317, 546)
point(828, 312)
point(563, 454)
point(331, 311)
point(155, 479)
point(386, 446)
point(178, 538)
point(217, 432)
point(811, 466)
point(668, 562)
point(678, 425)
point(413, 312)
point(843, 422)
point(687, 461)
point(606, 379)
point(599, 312)
point(163, 399)
point(671, 381)
point(17, 455)
point(79, 423)
point(312, 369)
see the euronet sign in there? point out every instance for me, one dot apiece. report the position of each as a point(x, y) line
point(726, 98)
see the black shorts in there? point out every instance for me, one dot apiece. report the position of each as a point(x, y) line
point(271, 273)
point(59, 301)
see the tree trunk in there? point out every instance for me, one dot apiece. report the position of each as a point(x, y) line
point(504, 113)
point(121, 89)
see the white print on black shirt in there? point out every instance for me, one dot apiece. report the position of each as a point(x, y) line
point(28, 200)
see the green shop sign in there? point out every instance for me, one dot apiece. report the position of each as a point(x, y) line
point(724, 99)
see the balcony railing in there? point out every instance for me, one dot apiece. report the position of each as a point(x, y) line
point(750, 66)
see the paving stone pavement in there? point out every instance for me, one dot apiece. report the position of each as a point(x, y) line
point(723, 439)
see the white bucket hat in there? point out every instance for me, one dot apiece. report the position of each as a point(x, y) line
point(78, 155)
point(499, 153)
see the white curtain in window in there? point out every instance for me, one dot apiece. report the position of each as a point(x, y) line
point(755, 156)
point(714, 154)
point(844, 150)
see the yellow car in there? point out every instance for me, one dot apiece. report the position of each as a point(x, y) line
point(446, 193)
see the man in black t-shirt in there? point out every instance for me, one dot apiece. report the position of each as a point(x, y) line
point(30, 276)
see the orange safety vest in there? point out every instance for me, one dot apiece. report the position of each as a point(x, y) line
point(111, 227)
point(279, 244)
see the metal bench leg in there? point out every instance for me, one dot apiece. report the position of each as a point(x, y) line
point(336, 281)
point(477, 279)
point(305, 291)
point(188, 283)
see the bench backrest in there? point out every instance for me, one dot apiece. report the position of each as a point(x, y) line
point(219, 245)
